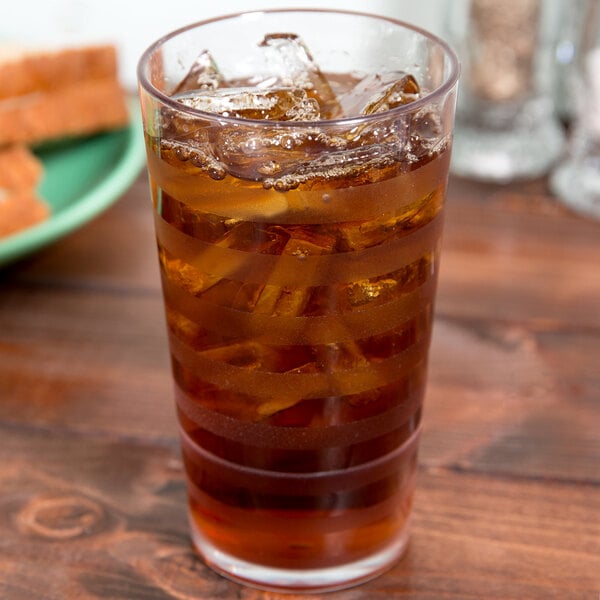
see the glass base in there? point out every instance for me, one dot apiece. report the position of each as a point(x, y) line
point(577, 185)
point(302, 580)
point(501, 156)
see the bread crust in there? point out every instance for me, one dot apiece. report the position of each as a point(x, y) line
point(20, 210)
point(30, 72)
point(19, 168)
point(20, 207)
point(85, 107)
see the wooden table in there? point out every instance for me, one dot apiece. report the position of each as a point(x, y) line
point(92, 501)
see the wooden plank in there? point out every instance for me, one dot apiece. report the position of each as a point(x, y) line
point(504, 538)
point(90, 518)
point(508, 399)
point(85, 361)
point(512, 254)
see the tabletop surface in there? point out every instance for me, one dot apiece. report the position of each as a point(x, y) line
point(92, 499)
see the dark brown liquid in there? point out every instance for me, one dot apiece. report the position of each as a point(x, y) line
point(299, 323)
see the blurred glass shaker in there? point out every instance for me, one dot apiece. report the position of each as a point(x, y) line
point(576, 180)
point(568, 52)
point(506, 123)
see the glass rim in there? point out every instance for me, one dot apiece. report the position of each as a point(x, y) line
point(441, 90)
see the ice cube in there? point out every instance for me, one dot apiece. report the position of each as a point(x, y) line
point(426, 133)
point(250, 355)
point(203, 75)
point(246, 151)
point(381, 290)
point(185, 275)
point(304, 242)
point(335, 357)
point(368, 291)
point(402, 91)
point(255, 154)
point(361, 235)
point(268, 408)
point(366, 234)
point(296, 67)
point(202, 271)
point(301, 243)
point(274, 104)
point(183, 328)
point(366, 163)
point(379, 92)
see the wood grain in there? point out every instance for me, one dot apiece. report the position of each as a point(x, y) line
point(108, 518)
point(512, 254)
point(92, 498)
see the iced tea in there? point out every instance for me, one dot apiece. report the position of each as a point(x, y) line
point(299, 251)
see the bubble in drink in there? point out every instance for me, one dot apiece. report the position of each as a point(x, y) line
point(270, 153)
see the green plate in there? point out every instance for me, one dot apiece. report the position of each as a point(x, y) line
point(82, 178)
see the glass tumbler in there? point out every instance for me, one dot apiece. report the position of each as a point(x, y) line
point(506, 122)
point(298, 162)
point(576, 179)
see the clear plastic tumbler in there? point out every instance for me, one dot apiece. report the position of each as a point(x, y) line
point(298, 163)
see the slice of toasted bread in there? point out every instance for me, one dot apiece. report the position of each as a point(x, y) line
point(85, 107)
point(19, 168)
point(19, 210)
point(20, 207)
point(24, 72)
